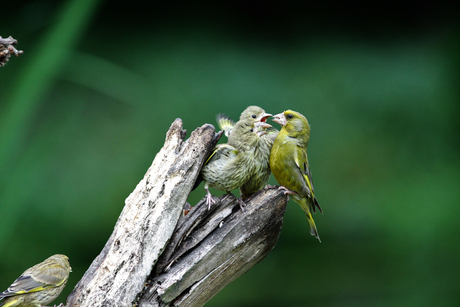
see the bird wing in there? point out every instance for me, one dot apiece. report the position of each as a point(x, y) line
point(301, 161)
point(222, 150)
point(37, 281)
point(24, 284)
point(53, 275)
point(225, 123)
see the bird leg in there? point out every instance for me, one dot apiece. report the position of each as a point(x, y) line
point(239, 200)
point(241, 203)
point(287, 191)
point(209, 199)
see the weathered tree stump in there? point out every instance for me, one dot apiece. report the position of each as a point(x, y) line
point(155, 257)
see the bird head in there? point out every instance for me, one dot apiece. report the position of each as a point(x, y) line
point(61, 260)
point(244, 135)
point(255, 114)
point(293, 122)
point(261, 128)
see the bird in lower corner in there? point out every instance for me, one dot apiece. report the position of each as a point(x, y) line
point(38, 285)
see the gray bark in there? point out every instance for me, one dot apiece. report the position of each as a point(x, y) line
point(7, 49)
point(155, 257)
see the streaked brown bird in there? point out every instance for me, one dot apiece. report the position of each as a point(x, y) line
point(261, 173)
point(38, 285)
point(230, 165)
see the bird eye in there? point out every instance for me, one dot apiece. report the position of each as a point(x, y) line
point(253, 116)
point(290, 116)
point(252, 130)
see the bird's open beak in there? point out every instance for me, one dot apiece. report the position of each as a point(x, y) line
point(280, 119)
point(260, 128)
point(264, 117)
point(262, 125)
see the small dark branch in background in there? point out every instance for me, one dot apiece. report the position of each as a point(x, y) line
point(7, 49)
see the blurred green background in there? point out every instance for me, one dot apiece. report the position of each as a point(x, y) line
point(85, 109)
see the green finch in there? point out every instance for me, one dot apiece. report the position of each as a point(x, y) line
point(38, 285)
point(230, 165)
point(261, 172)
point(289, 163)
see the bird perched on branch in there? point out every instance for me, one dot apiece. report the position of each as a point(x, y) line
point(230, 165)
point(38, 285)
point(267, 135)
point(289, 163)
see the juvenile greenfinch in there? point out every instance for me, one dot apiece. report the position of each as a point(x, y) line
point(251, 114)
point(267, 134)
point(38, 285)
point(261, 173)
point(289, 163)
point(230, 165)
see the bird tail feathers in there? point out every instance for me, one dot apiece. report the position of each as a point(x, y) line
point(307, 209)
point(313, 230)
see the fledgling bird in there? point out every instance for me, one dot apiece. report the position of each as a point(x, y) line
point(261, 173)
point(38, 285)
point(289, 163)
point(251, 114)
point(230, 165)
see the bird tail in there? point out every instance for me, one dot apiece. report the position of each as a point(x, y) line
point(306, 208)
point(313, 230)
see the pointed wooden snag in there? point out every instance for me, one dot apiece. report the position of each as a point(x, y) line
point(157, 257)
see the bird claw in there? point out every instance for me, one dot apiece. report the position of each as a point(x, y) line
point(286, 191)
point(209, 200)
point(241, 203)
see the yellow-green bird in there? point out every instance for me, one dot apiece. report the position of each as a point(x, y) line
point(289, 163)
point(261, 172)
point(38, 285)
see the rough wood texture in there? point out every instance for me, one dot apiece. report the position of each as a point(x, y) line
point(146, 223)
point(155, 257)
point(7, 49)
point(212, 248)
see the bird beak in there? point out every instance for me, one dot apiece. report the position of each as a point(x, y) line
point(261, 132)
point(265, 116)
point(260, 128)
point(262, 125)
point(280, 119)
